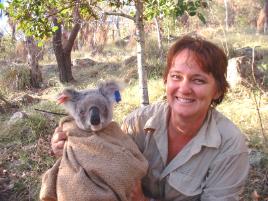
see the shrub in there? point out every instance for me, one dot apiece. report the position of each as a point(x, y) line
point(15, 78)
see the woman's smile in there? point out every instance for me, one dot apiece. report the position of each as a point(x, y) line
point(184, 100)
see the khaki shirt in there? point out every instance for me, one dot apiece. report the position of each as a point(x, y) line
point(213, 166)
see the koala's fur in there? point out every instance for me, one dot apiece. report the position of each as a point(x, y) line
point(91, 109)
point(99, 162)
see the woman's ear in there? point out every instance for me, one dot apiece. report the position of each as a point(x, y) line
point(217, 95)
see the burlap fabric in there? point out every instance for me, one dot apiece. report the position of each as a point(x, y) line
point(101, 166)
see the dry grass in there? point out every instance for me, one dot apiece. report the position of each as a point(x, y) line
point(240, 107)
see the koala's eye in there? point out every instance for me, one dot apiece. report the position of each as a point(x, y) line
point(105, 112)
point(82, 112)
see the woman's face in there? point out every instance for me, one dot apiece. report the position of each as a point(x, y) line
point(189, 89)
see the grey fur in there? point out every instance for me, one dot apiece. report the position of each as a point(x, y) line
point(79, 105)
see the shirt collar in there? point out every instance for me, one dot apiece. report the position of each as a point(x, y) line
point(158, 118)
point(208, 135)
point(157, 126)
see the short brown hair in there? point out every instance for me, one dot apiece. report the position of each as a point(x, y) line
point(210, 57)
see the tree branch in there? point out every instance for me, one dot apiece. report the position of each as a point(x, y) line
point(53, 12)
point(254, 95)
point(75, 29)
point(72, 37)
point(49, 112)
point(120, 14)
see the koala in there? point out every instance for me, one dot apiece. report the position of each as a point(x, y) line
point(91, 109)
point(99, 161)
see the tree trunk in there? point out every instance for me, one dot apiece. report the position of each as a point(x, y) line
point(159, 37)
point(144, 99)
point(1, 36)
point(265, 26)
point(62, 57)
point(32, 59)
point(63, 54)
point(12, 25)
point(118, 27)
point(13, 37)
point(226, 15)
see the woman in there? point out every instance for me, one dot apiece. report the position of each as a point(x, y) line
point(194, 152)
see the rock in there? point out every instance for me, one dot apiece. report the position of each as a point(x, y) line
point(93, 73)
point(86, 62)
point(24, 99)
point(247, 51)
point(239, 71)
point(130, 61)
point(256, 157)
point(233, 76)
point(17, 116)
point(27, 100)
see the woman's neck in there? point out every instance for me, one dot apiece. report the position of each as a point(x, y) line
point(185, 126)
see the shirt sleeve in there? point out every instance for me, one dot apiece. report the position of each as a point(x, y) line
point(226, 178)
point(133, 125)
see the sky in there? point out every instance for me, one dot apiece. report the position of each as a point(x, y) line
point(4, 28)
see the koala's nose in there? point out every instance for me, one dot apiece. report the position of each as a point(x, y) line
point(94, 116)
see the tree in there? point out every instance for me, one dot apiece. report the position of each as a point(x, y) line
point(226, 14)
point(148, 10)
point(43, 19)
point(262, 21)
point(141, 52)
point(159, 37)
point(12, 25)
point(265, 8)
point(32, 58)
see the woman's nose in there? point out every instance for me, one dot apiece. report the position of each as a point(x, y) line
point(185, 87)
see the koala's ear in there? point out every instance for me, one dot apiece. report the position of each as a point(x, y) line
point(67, 95)
point(111, 89)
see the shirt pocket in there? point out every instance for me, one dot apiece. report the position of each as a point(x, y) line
point(184, 183)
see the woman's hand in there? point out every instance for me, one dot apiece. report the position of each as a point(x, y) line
point(58, 140)
point(137, 194)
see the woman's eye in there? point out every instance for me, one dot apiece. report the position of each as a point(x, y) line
point(199, 81)
point(175, 77)
point(82, 112)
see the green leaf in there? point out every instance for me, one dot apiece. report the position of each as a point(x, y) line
point(40, 43)
point(192, 13)
point(65, 11)
point(201, 17)
point(132, 13)
point(55, 28)
point(2, 6)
